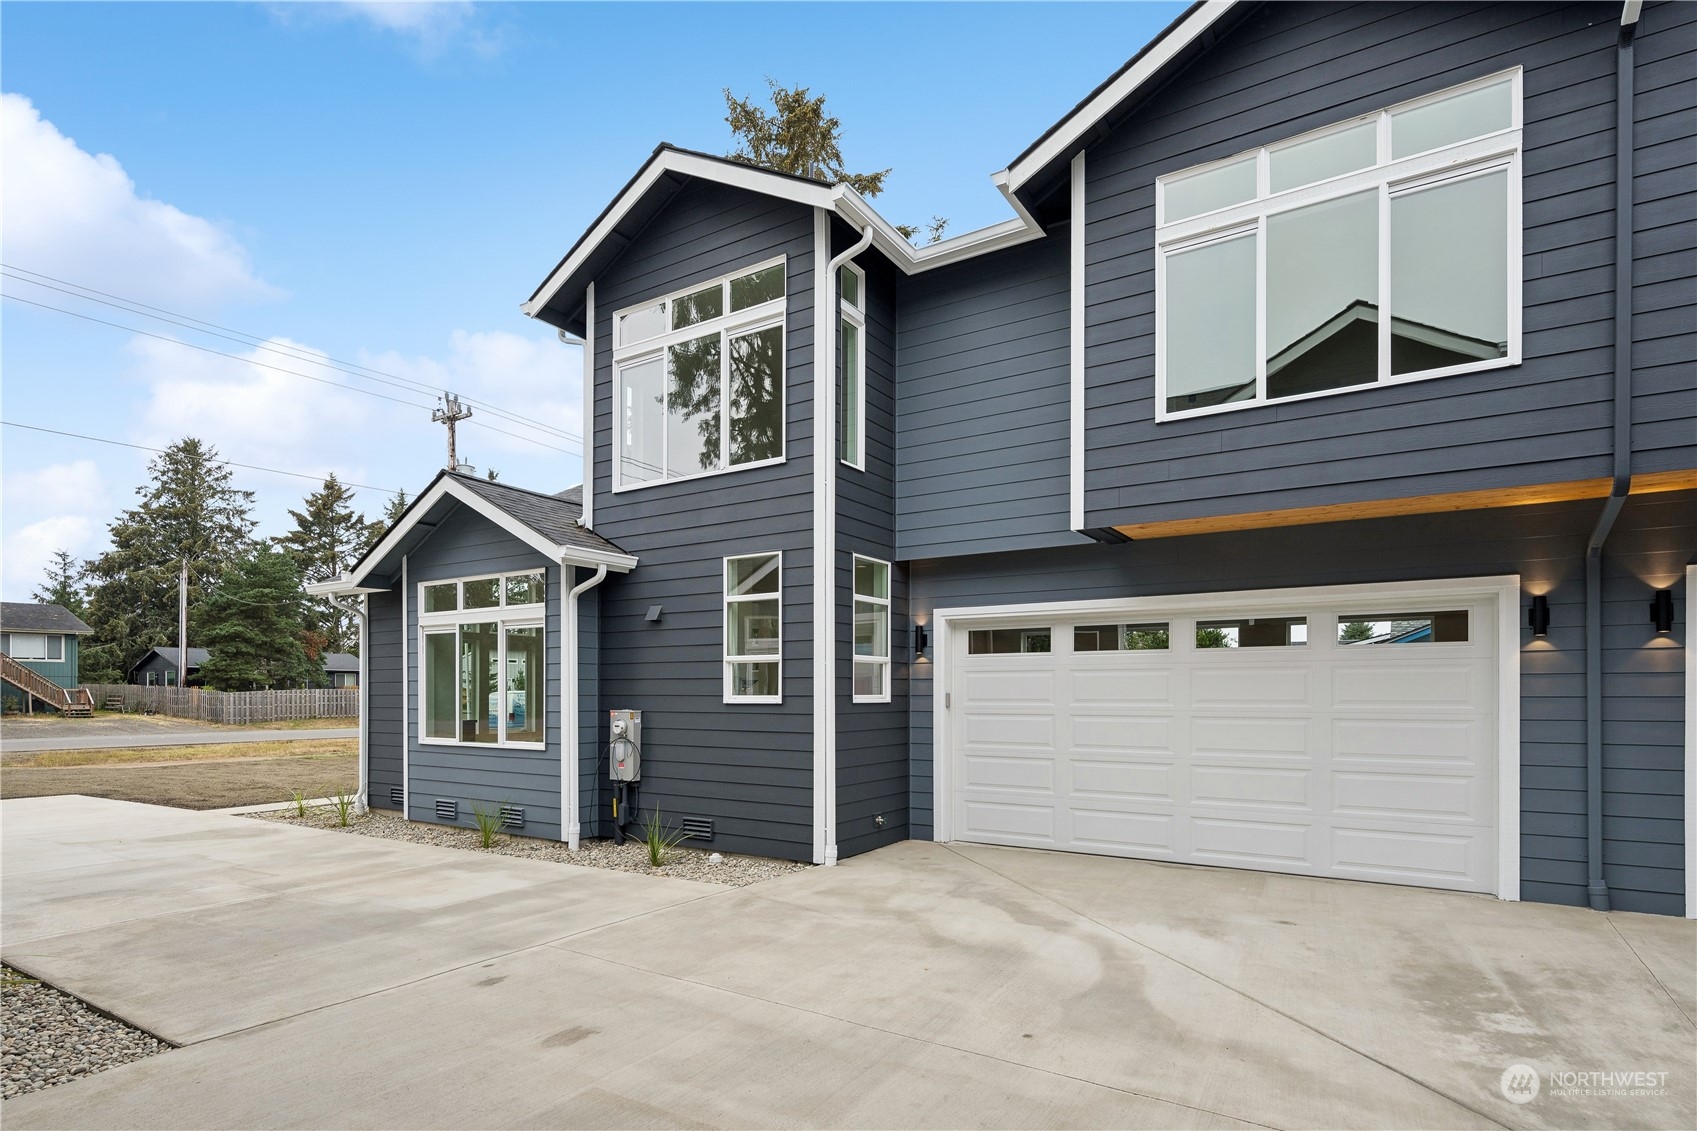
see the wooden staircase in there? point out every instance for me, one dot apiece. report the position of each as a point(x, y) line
point(73, 702)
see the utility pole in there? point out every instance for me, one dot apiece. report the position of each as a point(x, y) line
point(183, 625)
point(451, 413)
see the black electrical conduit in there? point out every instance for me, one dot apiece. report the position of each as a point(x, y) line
point(1597, 889)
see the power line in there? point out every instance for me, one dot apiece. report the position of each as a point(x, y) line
point(226, 462)
point(268, 365)
point(353, 369)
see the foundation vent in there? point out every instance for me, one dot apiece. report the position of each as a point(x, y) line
point(698, 828)
point(512, 817)
point(447, 810)
point(397, 797)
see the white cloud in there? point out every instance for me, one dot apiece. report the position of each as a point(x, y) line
point(76, 486)
point(535, 379)
point(29, 549)
point(78, 216)
point(430, 29)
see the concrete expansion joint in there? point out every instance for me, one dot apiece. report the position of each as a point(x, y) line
point(1245, 995)
point(897, 1033)
point(1660, 985)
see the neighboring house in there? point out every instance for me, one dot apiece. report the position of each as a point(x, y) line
point(341, 669)
point(43, 641)
point(1051, 534)
point(162, 667)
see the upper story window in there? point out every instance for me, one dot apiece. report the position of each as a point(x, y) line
point(482, 660)
point(36, 646)
point(1275, 269)
point(851, 380)
point(698, 384)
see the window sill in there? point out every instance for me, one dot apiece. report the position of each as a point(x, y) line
point(871, 698)
point(745, 701)
point(448, 742)
point(1164, 416)
point(626, 487)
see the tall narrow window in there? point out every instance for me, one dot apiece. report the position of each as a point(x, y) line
point(1381, 249)
point(871, 630)
point(699, 379)
point(851, 382)
point(754, 628)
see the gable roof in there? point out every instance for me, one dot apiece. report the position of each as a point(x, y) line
point(339, 662)
point(549, 524)
point(197, 657)
point(669, 167)
point(33, 616)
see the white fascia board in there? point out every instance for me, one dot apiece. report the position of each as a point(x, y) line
point(1084, 119)
point(339, 587)
point(448, 487)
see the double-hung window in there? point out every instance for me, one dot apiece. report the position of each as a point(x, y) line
point(754, 628)
point(851, 379)
point(699, 379)
point(482, 662)
point(1380, 250)
point(37, 646)
point(871, 630)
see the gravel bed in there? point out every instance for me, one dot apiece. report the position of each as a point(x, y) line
point(632, 856)
point(51, 1037)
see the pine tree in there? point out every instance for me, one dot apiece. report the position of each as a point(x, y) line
point(189, 511)
point(63, 585)
point(329, 536)
point(392, 512)
point(252, 624)
point(799, 138)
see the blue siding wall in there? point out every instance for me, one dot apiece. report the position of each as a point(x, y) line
point(983, 405)
point(1297, 66)
point(467, 544)
point(1643, 709)
point(385, 696)
point(872, 770)
point(749, 767)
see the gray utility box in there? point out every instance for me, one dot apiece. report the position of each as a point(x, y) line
point(624, 748)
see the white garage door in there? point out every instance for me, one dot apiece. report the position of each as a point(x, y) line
point(1342, 738)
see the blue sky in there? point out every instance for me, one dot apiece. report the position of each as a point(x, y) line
point(384, 183)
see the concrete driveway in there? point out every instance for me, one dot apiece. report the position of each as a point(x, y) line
point(318, 979)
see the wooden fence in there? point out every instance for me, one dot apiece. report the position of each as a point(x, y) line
point(231, 706)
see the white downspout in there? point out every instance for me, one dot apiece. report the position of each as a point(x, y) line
point(570, 743)
point(825, 542)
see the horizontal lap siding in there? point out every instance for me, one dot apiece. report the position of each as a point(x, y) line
point(1664, 197)
point(1293, 67)
point(872, 770)
point(385, 697)
point(1643, 710)
point(465, 545)
point(983, 404)
point(749, 767)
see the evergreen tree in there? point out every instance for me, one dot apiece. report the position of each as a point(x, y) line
point(799, 138)
point(252, 624)
point(1355, 631)
point(189, 511)
point(329, 536)
point(63, 585)
point(392, 512)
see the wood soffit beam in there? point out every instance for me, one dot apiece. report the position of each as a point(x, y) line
point(1681, 480)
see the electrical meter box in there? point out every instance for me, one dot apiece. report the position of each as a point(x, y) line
point(624, 748)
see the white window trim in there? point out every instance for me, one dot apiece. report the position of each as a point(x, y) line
point(855, 597)
point(1477, 156)
point(505, 616)
point(728, 325)
point(46, 639)
point(855, 315)
point(727, 600)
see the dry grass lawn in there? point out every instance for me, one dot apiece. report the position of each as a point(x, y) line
point(208, 783)
point(157, 755)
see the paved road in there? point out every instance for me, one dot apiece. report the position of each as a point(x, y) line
point(174, 738)
point(320, 979)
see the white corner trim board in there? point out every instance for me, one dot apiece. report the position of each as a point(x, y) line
point(586, 425)
point(1690, 749)
point(1075, 344)
point(1498, 595)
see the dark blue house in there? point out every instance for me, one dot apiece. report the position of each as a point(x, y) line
point(1303, 479)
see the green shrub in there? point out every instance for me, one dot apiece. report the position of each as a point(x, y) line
point(660, 840)
point(488, 821)
point(343, 801)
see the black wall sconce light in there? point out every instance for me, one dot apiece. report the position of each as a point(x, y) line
point(1539, 617)
point(1661, 610)
point(921, 640)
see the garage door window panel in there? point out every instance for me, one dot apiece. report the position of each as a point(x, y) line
point(1007, 641)
point(1252, 632)
point(1152, 637)
point(1359, 629)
